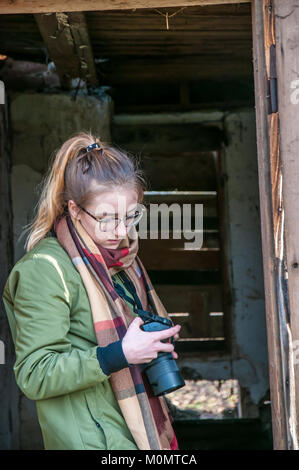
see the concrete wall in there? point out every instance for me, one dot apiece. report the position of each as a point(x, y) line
point(245, 253)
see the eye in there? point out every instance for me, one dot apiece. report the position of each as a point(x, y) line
point(132, 216)
point(107, 219)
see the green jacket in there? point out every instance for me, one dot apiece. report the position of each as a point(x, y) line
point(56, 362)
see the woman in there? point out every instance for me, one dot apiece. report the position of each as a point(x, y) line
point(77, 337)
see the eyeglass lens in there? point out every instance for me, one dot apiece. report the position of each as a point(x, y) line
point(111, 223)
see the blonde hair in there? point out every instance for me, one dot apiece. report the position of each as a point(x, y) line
point(71, 176)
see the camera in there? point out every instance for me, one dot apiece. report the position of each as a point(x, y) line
point(162, 372)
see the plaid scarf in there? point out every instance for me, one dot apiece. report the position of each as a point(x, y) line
point(112, 255)
point(147, 417)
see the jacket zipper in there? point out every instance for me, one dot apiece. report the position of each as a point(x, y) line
point(96, 422)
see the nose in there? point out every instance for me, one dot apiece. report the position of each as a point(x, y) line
point(121, 229)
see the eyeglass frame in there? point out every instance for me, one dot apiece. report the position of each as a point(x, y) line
point(143, 209)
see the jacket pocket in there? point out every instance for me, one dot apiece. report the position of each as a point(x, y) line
point(90, 405)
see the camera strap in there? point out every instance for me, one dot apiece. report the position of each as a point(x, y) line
point(131, 288)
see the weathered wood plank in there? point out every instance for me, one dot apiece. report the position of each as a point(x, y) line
point(279, 424)
point(154, 108)
point(204, 18)
point(287, 42)
point(67, 40)
point(217, 17)
point(174, 258)
point(228, 29)
point(189, 43)
point(44, 6)
point(187, 35)
point(191, 306)
point(168, 69)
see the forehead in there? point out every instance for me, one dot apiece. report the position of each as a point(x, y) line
point(115, 202)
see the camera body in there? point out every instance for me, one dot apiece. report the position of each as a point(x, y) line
point(162, 372)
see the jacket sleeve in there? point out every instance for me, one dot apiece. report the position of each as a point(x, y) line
point(112, 358)
point(47, 365)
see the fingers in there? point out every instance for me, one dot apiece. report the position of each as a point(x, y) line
point(173, 331)
point(167, 333)
point(142, 346)
point(165, 347)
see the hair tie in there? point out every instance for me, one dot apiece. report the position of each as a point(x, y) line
point(92, 146)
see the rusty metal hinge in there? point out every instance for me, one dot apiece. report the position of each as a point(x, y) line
point(272, 83)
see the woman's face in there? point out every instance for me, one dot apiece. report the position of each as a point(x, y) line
point(117, 203)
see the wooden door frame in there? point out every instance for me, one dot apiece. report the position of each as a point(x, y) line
point(285, 33)
point(267, 226)
point(274, 60)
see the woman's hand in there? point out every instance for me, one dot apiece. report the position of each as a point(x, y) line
point(142, 346)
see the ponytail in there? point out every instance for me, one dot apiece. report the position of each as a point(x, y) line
point(70, 176)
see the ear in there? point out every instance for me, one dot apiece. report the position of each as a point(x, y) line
point(74, 210)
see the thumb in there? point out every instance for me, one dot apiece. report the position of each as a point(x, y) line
point(137, 321)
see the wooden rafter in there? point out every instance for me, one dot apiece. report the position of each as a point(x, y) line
point(44, 6)
point(67, 40)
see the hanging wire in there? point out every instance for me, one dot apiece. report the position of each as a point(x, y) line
point(167, 16)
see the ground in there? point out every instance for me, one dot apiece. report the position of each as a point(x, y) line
point(205, 399)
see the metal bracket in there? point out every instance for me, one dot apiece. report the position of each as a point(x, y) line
point(272, 83)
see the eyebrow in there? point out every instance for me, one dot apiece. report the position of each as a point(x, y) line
point(114, 213)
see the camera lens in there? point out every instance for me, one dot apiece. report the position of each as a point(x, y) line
point(163, 374)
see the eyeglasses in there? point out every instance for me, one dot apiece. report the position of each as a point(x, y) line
point(108, 224)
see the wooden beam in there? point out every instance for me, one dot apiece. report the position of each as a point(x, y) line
point(44, 6)
point(197, 117)
point(287, 64)
point(160, 42)
point(155, 108)
point(67, 40)
point(265, 169)
point(221, 18)
point(121, 70)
